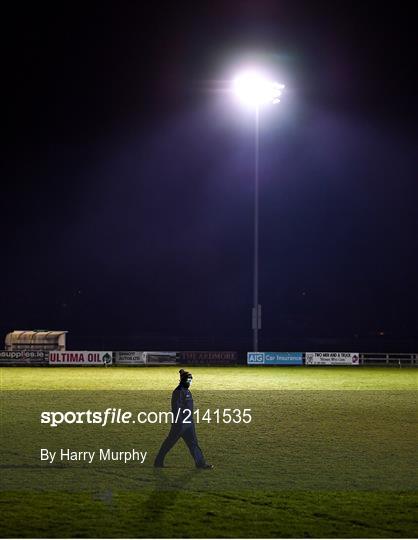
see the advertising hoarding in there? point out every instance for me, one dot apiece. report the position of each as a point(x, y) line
point(22, 355)
point(132, 358)
point(210, 357)
point(25, 357)
point(332, 358)
point(160, 357)
point(275, 358)
point(80, 358)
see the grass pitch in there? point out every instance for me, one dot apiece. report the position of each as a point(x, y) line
point(330, 452)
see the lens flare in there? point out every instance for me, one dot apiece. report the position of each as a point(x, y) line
point(254, 89)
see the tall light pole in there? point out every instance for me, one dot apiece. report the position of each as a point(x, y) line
point(255, 90)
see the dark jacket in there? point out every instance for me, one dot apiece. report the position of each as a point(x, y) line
point(182, 399)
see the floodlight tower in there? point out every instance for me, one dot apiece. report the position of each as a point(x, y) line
point(254, 90)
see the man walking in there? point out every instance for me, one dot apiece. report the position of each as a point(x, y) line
point(183, 424)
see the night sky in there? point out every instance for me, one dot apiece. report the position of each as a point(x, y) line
point(127, 187)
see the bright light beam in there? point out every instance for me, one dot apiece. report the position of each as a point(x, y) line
point(254, 89)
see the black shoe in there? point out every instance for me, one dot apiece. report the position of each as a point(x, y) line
point(205, 466)
point(159, 465)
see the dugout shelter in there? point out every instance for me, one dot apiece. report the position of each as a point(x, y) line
point(36, 340)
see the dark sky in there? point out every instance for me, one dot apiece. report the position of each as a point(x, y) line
point(127, 185)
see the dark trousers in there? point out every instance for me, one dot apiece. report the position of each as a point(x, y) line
point(188, 433)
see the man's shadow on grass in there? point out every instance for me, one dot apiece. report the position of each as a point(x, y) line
point(167, 489)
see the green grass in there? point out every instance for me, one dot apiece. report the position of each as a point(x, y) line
point(329, 453)
point(207, 378)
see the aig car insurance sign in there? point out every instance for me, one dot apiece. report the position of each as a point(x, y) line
point(332, 358)
point(80, 358)
point(274, 358)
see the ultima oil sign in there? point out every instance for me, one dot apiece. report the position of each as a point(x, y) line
point(85, 358)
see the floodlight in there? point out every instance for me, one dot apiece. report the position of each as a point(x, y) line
point(255, 89)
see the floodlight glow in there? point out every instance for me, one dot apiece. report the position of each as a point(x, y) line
point(254, 89)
